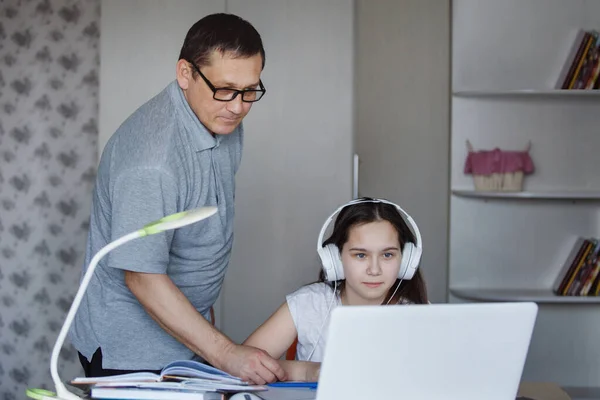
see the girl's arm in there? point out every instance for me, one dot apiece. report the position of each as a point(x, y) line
point(275, 336)
point(306, 371)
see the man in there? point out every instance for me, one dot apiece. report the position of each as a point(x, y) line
point(149, 300)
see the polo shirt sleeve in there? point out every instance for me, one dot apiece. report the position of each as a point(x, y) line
point(140, 196)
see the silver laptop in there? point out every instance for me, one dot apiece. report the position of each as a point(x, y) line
point(427, 352)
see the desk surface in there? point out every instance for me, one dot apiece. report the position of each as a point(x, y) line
point(583, 393)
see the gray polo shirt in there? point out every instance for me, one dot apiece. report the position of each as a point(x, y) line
point(160, 161)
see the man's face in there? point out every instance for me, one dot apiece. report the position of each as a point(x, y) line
point(223, 71)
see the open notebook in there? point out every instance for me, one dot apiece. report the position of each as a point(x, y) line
point(183, 369)
point(185, 376)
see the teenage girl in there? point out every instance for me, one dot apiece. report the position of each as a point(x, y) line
point(371, 258)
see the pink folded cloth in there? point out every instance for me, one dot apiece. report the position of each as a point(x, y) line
point(487, 162)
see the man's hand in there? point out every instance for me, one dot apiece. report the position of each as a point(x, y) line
point(252, 365)
point(159, 296)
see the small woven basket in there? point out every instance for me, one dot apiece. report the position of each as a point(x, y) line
point(506, 182)
point(498, 170)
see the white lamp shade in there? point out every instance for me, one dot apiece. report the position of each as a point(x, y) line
point(178, 220)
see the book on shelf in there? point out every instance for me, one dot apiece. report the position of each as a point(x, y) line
point(582, 66)
point(580, 274)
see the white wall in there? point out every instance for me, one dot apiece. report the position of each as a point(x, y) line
point(297, 163)
point(296, 166)
point(402, 117)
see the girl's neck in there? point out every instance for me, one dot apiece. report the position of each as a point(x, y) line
point(351, 299)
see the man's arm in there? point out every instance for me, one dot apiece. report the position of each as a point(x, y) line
point(169, 307)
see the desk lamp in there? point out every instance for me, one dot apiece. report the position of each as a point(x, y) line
point(169, 222)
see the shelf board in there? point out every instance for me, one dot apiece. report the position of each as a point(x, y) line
point(527, 92)
point(536, 295)
point(554, 195)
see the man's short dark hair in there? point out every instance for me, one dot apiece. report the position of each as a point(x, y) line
point(225, 33)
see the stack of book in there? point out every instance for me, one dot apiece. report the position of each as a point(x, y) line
point(582, 68)
point(580, 275)
point(185, 379)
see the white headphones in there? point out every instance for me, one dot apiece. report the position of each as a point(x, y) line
point(330, 254)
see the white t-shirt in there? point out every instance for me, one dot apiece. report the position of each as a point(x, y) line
point(310, 307)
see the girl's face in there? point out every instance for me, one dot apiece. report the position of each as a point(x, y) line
point(371, 259)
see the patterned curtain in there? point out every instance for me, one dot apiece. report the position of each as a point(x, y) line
point(49, 59)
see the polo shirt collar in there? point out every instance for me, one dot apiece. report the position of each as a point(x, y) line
point(200, 137)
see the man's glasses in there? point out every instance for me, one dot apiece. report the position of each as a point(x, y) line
point(227, 94)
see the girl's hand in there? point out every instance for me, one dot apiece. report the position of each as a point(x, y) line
point(303, 371)
point(312, 372)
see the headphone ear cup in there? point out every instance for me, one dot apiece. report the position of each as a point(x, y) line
point(325, 263)
point(405, 264)
point(411, 256)
point(337, 262)
point(335, 270)
point(415, 260)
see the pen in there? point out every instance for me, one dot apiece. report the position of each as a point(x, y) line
point(311, 385)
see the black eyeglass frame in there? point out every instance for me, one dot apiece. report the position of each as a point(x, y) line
point(214, 89)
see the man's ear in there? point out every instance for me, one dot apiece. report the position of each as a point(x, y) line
point(184, 74)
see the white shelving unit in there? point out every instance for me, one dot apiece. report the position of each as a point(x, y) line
point(510, 246)
point(542, 195)
point(527, 93)
point(535, 295)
